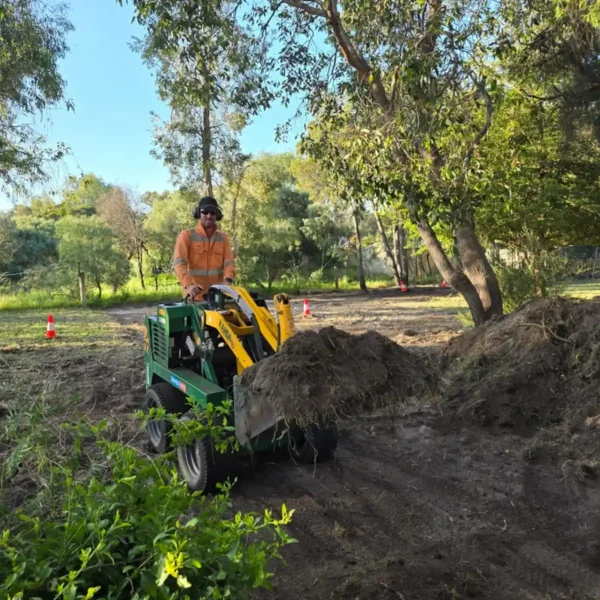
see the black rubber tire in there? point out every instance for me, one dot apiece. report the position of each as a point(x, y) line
point(318, 444)
point(200, 465)
point(173, 401)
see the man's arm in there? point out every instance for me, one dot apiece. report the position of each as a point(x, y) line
point(181, 259)
point(228, 261)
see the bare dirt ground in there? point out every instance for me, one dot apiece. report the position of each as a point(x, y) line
point(413, 506)
point(413, 509)
point(421, 317)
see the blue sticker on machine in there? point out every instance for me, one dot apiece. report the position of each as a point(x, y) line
point(178, 384)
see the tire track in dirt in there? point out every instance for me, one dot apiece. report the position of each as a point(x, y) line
point(381, 521)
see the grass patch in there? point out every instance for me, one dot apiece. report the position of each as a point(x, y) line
point(75, 328)
point(584, 290)
point(168, 291)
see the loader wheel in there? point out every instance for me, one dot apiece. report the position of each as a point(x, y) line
point(173, 401)
point(317, 445)
point(200, 465)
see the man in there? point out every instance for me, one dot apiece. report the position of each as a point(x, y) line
point(203, 256)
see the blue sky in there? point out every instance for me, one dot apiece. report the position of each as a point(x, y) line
point(110, 132)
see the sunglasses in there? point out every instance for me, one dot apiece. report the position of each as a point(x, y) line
point(208, 212)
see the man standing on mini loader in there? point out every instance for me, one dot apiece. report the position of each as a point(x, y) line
point(203, 256)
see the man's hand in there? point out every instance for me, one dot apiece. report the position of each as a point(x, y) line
point(191, 291)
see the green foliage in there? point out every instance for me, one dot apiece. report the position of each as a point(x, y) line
point(169, 215)
point(87, 246)
point(128, 528)
point(8, 241)
point(80, 195)
point(538, 273)
point(536, 178)
point(33, 36)
point(550, 49)
point(25, 242)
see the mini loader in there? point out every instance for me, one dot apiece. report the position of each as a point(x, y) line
point(197, 351)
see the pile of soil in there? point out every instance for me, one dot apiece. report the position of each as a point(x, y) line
point(329, 374)
point(536, 368)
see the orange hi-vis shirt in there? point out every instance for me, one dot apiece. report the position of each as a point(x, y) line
point(202, 260)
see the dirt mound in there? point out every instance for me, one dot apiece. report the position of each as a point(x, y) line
point(534, 368)
point(330, 373)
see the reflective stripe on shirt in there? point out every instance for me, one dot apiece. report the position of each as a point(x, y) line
point(198, 237)
point(204, 272)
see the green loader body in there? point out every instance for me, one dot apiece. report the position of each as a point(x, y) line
point(195, 351)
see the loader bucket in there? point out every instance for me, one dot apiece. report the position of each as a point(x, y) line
point(252, 415)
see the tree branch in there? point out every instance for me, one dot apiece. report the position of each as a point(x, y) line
point(307, 8)
point(489, 107)
point(355, 59)
point(394, 86)
point(565, 94)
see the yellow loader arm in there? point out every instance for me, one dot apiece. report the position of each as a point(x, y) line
point(275, 332)
point(252, 417)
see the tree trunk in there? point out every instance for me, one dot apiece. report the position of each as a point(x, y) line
point(156, 281)
point(359, 254)
point(478, 269)
point(99, 286)
point(140, 260)
point(388, 250)
point(82, 290)
point(429, 269)
point(400, 252)
point(233, 216)
point(206, 141)
point(457, 279)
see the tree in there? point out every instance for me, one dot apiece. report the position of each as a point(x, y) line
point(80, 195)
point(330, 191)
point(402, 110)
point(327, 227)
point(405, 109)
point(36, 241)
point(211, 76)
point(88, 248)
point(33, 34)
point(170, 213)
point(269, 235)
point(233, 171)
point(356, 214)
point(25, 242)
point(122, 212)
point(388, 248)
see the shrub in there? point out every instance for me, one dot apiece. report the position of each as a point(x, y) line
point(123, 526)
point(541, 273)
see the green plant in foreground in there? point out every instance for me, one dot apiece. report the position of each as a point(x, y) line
point(208, 421)
point(127, 528)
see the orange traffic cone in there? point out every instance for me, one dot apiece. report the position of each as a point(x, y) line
point(444, 284)
point(50, 333)
point(306, 312)
point(403, 287)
